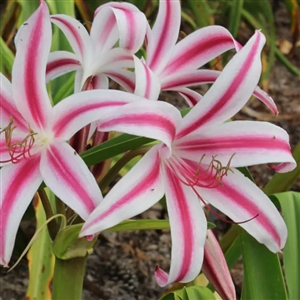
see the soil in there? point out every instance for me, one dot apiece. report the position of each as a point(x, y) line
point(122, 264)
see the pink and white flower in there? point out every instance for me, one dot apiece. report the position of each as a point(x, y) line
point(95, 58)
point(33, 145)
point(200, 164)
point(174, 66)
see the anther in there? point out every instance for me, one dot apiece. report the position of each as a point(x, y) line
point(17, 150)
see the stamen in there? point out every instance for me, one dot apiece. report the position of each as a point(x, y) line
point(211, 177)
point(17, 150)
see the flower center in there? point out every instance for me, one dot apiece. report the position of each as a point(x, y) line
point(202, 175)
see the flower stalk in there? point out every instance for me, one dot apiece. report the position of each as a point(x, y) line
point(63, 287)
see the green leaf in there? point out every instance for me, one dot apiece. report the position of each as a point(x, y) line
point(67, 245)
point(113, 147)
point(282, 182)
point(202, 12)
point(235, 16)
point(290, 207)
point(146, 224)
point(7, 58)
point(40, 259)
point(263, 277)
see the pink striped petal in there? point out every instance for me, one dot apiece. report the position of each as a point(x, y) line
point(147, 83)
point(231, 90)
point(243, 143)
point(61, 62)
point(76, 35)
point(96, 82)
point(131, 25)
point(215, 268)
point(283, 167)
point(188, 231)
point(68, 177)
point(198, 48)
point(240, 199)
point(189, 78)
point(19, 182)
point(131, 196)
point(124, 78)
point(114, 59)
point(190, 96)
point(161, 40)
point(81, 109)
point(197, 77)
point(8, 107)
point(152, 119)
point(29, 69)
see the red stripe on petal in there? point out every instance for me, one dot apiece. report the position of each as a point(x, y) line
point(229, 93)
point(238, 199)
point(57, 64)
point(62, 123)
point(165, 31)
point(74, 33)
point(68, 178)
point(146, 119)
point(146, 183)
point(236, 142)
point(32, 80)
point(186, 224)
point(10, 195)
point(199, 47)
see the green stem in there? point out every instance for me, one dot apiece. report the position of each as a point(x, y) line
point(68, 278)
point(52, 226)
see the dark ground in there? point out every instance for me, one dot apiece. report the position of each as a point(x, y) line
point(122, 265)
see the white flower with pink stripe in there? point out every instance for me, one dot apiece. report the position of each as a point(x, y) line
point(199, 166)
point(33, 145)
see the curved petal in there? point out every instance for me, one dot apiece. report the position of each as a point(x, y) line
point(215, 268)
point(197, 77)
point(152, 119)
point(131, 24)
point(130, 21)
point(19, 182)
point(124, 78)
point(61, 62)
point(231, 90)
point(189, 78)
point(146, 82)
point(240, 199)
point(29, 69)
point(68, 177)
point(188, 231)
point(198, 48)
point(8, 108)
point(81, 109)
point(116, 58)
point(76, 35)
point(96, 82)
point(131, 196)
point(242, 143)
point(190, 96)
point(161, 40)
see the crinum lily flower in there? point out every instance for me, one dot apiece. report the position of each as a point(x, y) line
point(201, 165)
point(33, 145)
point(172, 66)
point(94, 57)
